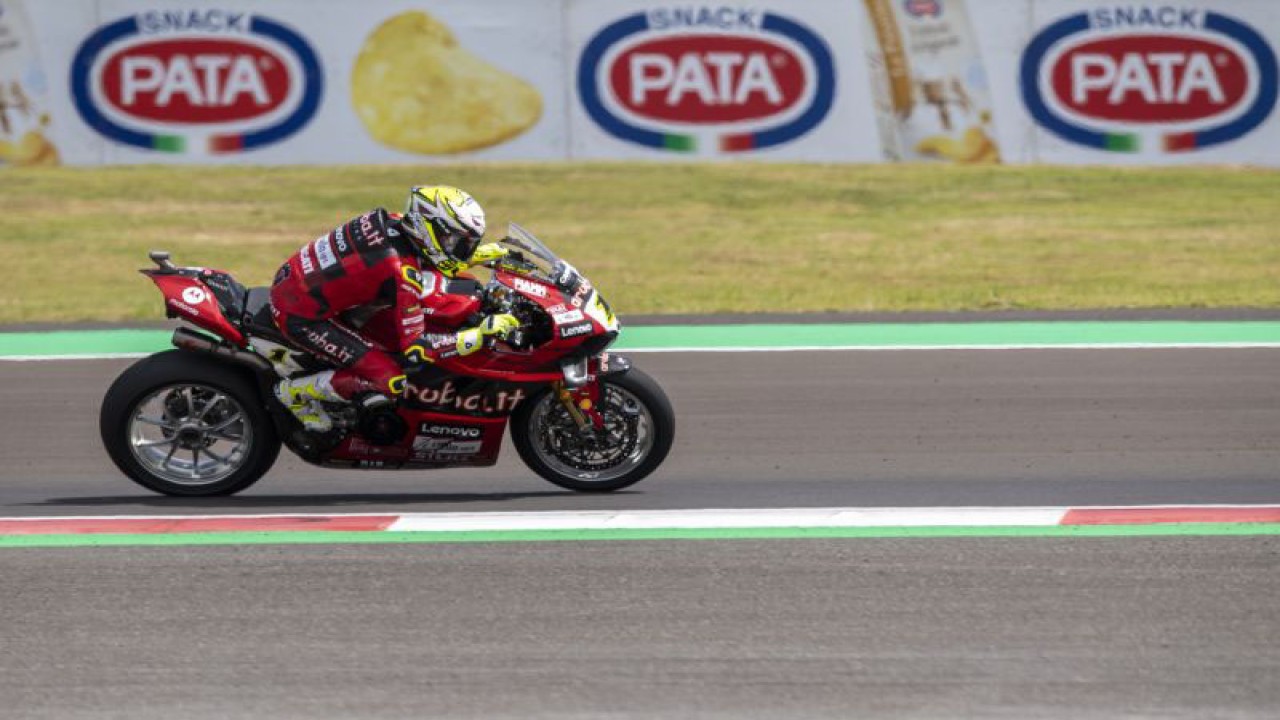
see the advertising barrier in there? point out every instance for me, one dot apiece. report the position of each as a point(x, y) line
point(718, 81)
point(325, 81)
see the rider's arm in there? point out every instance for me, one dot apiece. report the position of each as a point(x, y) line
point(434, 347)
point(407, 306)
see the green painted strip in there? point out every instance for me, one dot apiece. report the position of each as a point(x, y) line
point(311, 538)
point(949, 334)
point(84, 342)
point(1047, 334)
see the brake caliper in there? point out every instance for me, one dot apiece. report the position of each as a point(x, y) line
point(581, 403)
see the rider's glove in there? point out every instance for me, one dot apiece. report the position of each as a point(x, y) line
point(488, 253)
point(500, 326)
point(423, 349)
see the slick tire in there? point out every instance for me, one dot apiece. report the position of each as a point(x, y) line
point(656, 409)
point(151, 380)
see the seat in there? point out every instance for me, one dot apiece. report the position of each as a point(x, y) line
point(257, 316)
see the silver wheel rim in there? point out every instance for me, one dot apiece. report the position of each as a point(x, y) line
point(554, 440)
point(190, 434)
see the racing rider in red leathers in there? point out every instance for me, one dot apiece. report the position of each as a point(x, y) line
point(394, 264)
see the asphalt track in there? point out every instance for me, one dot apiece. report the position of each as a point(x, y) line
point(820, 429)
point(1168, 627)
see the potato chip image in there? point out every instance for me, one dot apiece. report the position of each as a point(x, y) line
point(32, 149)
point(416, 89)
point(974, 147)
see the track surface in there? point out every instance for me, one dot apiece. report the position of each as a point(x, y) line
point(1028, 427)
point(911, 628)
point(1039, 628)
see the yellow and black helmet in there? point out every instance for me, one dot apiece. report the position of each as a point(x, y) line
point(446, 223)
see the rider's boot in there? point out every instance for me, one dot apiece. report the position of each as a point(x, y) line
point(302, 395)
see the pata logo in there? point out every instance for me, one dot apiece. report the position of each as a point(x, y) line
point(1170, 78)
point(203, 80)
point(749, 79)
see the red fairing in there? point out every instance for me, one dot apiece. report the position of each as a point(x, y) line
point(448, 312)
point(433, 439)
point(191, 300)
point(542, 363)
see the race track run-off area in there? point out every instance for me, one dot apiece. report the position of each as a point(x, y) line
point(1048, 520)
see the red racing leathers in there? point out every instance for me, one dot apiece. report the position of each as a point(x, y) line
point(366, 264)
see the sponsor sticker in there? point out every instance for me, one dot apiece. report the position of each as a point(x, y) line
point(194, 295)
point(183, 306)
point(672, 77)
point(324, 253)
point(428, 448)
point(570, 316)
point(453, 431)
point(575, 330)
point(446, 396)
point(530, 287)
point(1147, 78)
point(304, 258)
point(196, 80)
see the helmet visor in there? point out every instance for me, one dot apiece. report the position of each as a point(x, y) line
point(456, 245)
point(463, 247)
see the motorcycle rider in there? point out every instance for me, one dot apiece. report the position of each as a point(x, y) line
point(397, 264)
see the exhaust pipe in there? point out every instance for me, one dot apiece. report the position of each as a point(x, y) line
point(185, 339)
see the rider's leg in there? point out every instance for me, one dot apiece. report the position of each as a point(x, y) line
point(375, 377)
point(340, 346)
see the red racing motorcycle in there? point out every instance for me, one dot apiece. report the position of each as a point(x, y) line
point(202, 419)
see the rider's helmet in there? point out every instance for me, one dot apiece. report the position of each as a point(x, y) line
point(446, 224)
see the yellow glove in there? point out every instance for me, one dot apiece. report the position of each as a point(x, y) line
point(500, 325)
point(488, 253)
point(472, 340)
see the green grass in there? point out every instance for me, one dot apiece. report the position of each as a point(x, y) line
point(686, 238)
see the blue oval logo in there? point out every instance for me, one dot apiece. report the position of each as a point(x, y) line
point(1131, 75)
point(242, 68)
point(705, 84)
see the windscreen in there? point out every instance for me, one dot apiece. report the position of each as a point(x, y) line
point(530, 255)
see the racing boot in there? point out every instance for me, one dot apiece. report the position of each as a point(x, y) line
point(303, 395)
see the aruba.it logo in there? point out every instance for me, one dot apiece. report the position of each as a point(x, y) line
point(666, 78)
point(1185, 78)
point(217, 81)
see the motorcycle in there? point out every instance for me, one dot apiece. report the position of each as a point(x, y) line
point(202, 419)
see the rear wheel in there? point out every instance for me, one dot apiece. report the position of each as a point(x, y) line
point(181, 424)
point(639, 426)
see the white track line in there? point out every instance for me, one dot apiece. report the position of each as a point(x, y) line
point(712, 519)
point(689, 519)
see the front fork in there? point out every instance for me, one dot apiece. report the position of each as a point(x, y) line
point(581, 403)
point(579, 392)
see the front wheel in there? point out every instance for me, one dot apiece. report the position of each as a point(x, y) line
point(182, 424)
point(639, 428)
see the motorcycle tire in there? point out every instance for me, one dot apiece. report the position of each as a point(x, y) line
point(538, 448)
point(167, 383)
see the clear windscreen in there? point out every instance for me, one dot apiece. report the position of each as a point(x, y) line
point(529, 254)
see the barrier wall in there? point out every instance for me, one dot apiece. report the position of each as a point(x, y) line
point(325, 81)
